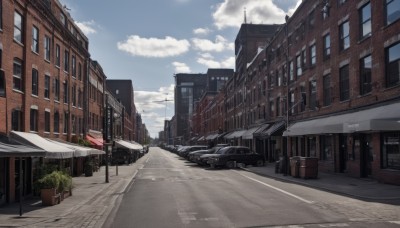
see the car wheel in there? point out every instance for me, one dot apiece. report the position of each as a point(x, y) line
point(230, 164)
point(260, 163)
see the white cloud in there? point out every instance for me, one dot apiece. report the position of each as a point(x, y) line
point(292, 10)
point(208, 60)
point(220, 44)
point(87, 27)
point(154, 47)
point(201, 31)
point(230, 13)
point(181, 67)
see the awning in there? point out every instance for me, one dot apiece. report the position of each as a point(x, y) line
point(201, 138)
point(235, 134)
point(96, 135)
point(53, 151)
point(18, 150)
point(378, 118)
point(249, 133)
point(94, 141)
point(79, 151)
point(127, 145)
point(211, 136)
point(259, 131)
point(273, 129)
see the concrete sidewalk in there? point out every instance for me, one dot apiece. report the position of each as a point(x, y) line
point(91, 202)
point(360, 188)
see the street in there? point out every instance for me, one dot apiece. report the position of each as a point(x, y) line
point(169, 191)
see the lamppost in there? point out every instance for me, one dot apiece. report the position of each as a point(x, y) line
point(285, 157)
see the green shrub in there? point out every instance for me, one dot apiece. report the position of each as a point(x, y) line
point(57, 179)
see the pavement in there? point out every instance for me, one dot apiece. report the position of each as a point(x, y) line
point(93, 200)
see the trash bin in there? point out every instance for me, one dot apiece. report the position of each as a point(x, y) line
point(277, 168)
point(308, 167)
point(294, 166)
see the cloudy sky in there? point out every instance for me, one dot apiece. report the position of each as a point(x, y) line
point(148, 41)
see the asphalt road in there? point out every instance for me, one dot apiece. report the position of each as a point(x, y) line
point(171, 192)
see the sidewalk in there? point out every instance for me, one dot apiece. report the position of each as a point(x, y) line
point(364, 189)
point(91, 202)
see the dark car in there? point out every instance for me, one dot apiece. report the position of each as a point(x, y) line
point(232, 155)
point(187, 150)
point(201, 157)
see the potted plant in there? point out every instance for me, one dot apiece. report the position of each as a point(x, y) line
point(49, 185)
point(65, 185)
point(88, 168)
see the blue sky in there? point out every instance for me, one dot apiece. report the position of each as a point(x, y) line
point(148, 41)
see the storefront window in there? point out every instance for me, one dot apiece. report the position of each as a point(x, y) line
point(326, 147)
point(391, 150)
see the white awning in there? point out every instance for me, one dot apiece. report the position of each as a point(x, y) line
point(79, 151)
point(53, 150)
point(379, 118)
point(128, 145)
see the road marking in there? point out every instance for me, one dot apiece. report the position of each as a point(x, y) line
point(277, 189)
point(147, 160)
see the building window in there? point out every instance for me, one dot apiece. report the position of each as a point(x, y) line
point(62, 19)
point(47, 48)
point(271, 108)
point(66, 61)
point(278, 106)
point(47, 86)
point(304, 59)
point(34, 117)
point(392, 11)
point(56, 89)
point(311, 19)
point(298, 65)
point(66, 95)
point(327, 89)
point(17, 75)
point(344, 31)
point(35, 39)
point(291, 71)
point(16, 120)
point(2, 84)
point(73, 124)
point(313, 55)
point(365, 75)
point(341, 2)
point(326, 10)
point(66, 121)
point(73, 66)
point(79, 71)
point(391, 150)
point(47, 121)
point(73, 96)
point(313, 94)
point(18, 27)
point(1, 15)
point(344, 83)
point(365, 21)
point(327, 46)
point(35, 82)
point(291, 103)
point(58, 57)
point(326, 147)
point(80, 99)
point(56, 122)
point(393, 65)
point(303, 97)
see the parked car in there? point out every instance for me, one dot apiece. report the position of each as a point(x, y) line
point(197, 156)
point(230, 156)
point(187, 150)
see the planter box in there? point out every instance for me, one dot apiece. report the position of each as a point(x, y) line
point(50, 197)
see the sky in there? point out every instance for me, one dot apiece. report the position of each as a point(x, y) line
point(148, 41)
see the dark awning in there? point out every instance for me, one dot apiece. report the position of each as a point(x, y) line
point(249, 133)
point(235, 134)
point(19, 150)
point(273, 129)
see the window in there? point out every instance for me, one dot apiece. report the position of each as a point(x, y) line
point(35, 39)
point(58, 57)
point(327, 46)
point(325, 10)
point(392, 11)
point(56, 89)
point(66, 61)
point(47, 121)
point(313, 55)
point(47, 86)
point(47, 48)
point(35, 82)
point(73, 66)
point(344, 31)
point(271, 108)
point(17, 74)
point(56, 122)
point(34, 120)
point(18, 27)
point(2, 84)
point(298, 65)
point(303, 97)
point(341, 2)
point(291, 102)
point(291, 71)
point(313, 94)
point(66, 120)
point(327, 89)
point(278, 106)
point(344, 83)
point(304, 59)
point(62, 18)
point(391, 150)
point(365, 75)
point(311, 19)
point(65, 89)
point(365, 21)
point(73, 124)
point(16, 120)
point(80, 99)
point(326, 147)
point(393, 65)
point(1, 15)
point(73, 95)
point(79, 71)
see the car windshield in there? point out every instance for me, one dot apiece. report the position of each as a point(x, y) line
point(222, 150)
